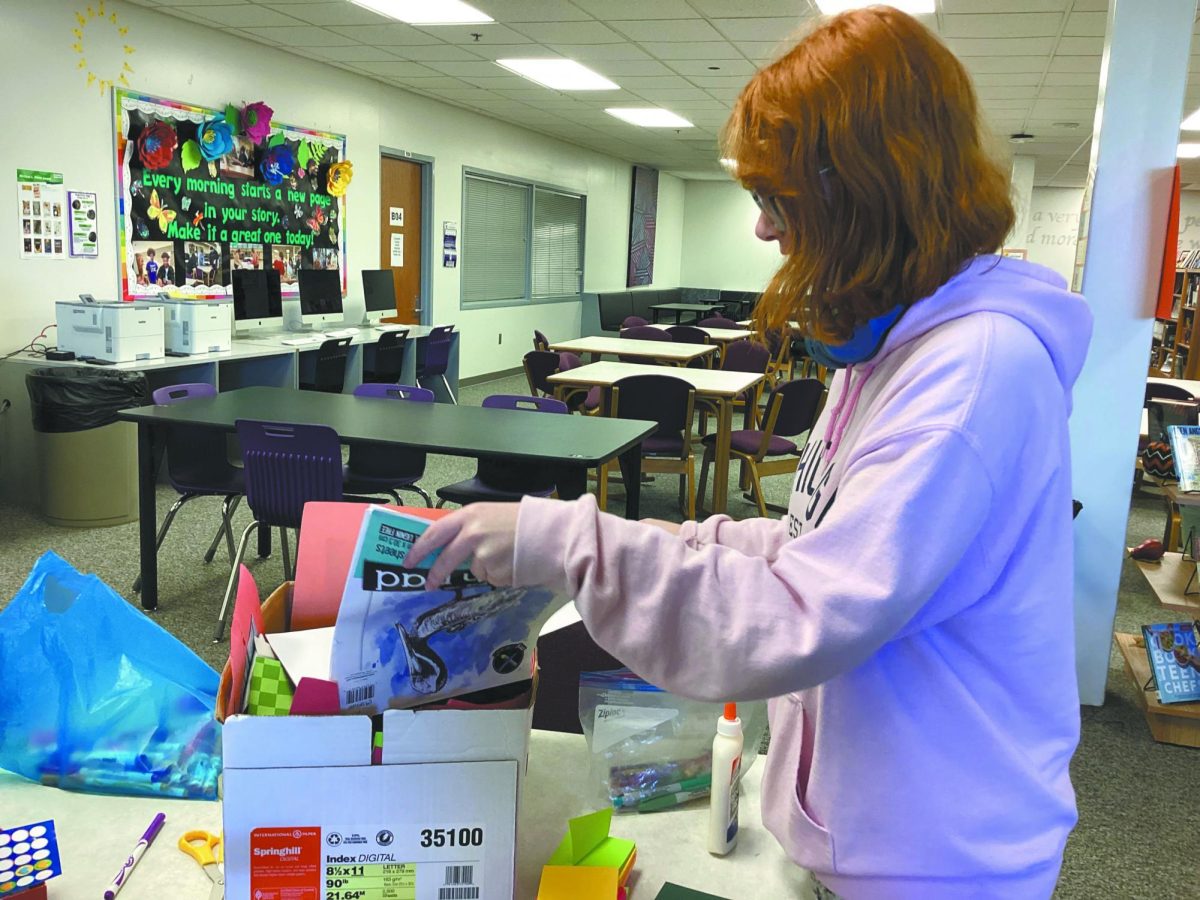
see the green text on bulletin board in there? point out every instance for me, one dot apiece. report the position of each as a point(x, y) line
point(185, 222)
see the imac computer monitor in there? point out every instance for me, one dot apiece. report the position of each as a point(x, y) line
point(379, 294)
point(320, 296)
point(257, 301)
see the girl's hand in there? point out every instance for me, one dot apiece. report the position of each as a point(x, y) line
point(668, 527)
point(485, 533)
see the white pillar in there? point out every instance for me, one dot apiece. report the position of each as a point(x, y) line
point(1022, 196)
point(1142, 80)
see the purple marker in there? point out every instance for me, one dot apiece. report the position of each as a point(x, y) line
point(122, 875)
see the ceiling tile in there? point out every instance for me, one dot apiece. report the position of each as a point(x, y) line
point(1007, 79)
point(1006, 103)
point(1088, 78)
point(459, 68)
point(765, 50)
point(638, 84)
point(1076, 64)
point(1005, 6)
point(514, 11)
point(1087, 24)
point(397, 68)
point(981, 64)
point(997, 25)
point(637, 9)
point(707, 67)
point(616, 68)
point(509, 51)
point(692, 95)
point(666, 30)
point(240, 16)
point(713, 80)
point(167, 4)
point(1011, 92)
point(749, 9)
point(440, 52)
point(773, 29)
point(352, 54)
point(333, 14)
point(394, 35)
point(576, 32)
point(692, 50)
point(592, 52)
point(302, 36)
point(1080, 46)
point(1000, 46)
point(489, 33)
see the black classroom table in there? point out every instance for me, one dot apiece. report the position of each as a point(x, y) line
point(680, 308)
point(572, 443)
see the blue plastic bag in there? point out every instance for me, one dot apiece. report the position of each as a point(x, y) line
point(94, 696)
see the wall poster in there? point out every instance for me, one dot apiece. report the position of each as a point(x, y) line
point(41, 202)
point(81, 208)
point(198, 196)
point(643, 217)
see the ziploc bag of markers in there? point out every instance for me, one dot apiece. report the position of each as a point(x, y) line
point(97, 697)
point(651, 750)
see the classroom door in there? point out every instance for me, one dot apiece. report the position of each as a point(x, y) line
point(400, 230)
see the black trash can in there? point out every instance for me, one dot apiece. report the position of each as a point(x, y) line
point(87, 459)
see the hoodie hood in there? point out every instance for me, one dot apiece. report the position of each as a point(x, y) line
point(1035, 296)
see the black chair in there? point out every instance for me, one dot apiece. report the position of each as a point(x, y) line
point(330, 372)
point(670, 403)
point(540, 341)
point(540, 365)
point(389, 358)
point(433, 356)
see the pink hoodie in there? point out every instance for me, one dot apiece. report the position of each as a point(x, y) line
point(912, 618)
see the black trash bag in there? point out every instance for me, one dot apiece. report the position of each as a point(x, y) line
point(77, 399)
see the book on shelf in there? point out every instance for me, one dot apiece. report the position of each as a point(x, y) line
point(1181, 259)
point(1174, 661)
point(1185, 448)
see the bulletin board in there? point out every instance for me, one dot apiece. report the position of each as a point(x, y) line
point(197, 199)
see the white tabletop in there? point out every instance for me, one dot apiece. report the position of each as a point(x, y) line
point(712, 382)
point(95, 832)
point(1191, 386)
point(629, 347)
point(716, 334)
point(238, 350)
point(364, 334)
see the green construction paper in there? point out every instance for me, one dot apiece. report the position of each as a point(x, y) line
point(190, 156)
point(304, 154)
point(276, 139)
point(587, 843)
point(676, 892)
point(232, 117)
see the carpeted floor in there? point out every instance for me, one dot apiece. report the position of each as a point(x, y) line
point(1136, 837)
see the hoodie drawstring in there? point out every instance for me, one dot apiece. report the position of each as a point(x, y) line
point(843, 412)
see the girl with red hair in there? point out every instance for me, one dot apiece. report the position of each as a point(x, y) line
point(911, 619)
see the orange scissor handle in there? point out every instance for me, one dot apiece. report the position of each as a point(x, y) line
point(202, 846)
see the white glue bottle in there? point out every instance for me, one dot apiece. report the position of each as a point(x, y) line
point(726, 779)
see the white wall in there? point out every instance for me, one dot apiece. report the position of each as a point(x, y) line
point(719, 246)
point(1052, 229)
point(64, 126)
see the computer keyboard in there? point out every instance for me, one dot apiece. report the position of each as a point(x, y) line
point(301, 341)
point(390, 327)
point(342, 332)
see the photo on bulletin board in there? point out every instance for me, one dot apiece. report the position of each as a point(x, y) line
point(187, 178)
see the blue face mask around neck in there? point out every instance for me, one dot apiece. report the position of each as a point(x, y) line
point(863, 344)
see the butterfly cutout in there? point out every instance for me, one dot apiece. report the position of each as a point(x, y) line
point(186, 203)
point(143, 230)
point(159, 213)
point(333, 234)
point(297, 211)
point(317, 220)
point(198, 217)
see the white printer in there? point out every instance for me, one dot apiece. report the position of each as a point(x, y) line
point(198, 326)
point(113, 331)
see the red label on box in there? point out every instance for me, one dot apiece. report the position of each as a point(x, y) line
point(285, 864)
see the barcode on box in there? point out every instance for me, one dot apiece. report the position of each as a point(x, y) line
point(359, 694)
point(458, 884)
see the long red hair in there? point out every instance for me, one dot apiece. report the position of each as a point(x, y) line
point(866, 138)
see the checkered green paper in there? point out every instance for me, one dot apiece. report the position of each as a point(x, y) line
point(270, 691)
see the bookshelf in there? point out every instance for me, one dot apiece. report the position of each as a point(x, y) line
point(1171, 353)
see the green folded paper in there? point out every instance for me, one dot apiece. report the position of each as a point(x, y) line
point(270, 691)
point(676, 892)
point(587, 843)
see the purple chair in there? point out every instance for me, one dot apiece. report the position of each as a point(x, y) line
point(197, 466)
point(717, 322)
point(669, 402)
point(577, 399)
point(373, 469)
point(540, 342)
point(433, 356)
point(540, 365)
point(792, 409)
point(643, 333)
point(505, 481)
point(745, 356)
point(633, 322)
point(330, 372)
point(690, 334)
point(389, 358)
point(286, 467)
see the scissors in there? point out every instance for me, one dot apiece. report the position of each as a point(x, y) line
point(207, 850)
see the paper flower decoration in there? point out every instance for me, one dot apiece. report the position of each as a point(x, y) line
point(156, 145)
point(277, 163)
point(216, 139)
point(256, 121)
point(340, 174)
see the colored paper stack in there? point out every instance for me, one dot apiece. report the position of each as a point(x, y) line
point(588, 864)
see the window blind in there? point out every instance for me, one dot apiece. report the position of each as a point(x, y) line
point(557, 243)
point(495, 253)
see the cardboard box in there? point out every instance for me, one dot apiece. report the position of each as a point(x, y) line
point(308, 817)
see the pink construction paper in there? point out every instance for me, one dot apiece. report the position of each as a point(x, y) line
point(315, 697)
point(247, 612)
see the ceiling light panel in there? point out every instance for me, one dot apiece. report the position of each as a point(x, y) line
point(912, 7)
point(559, 74)
point(427, 12)
point(649, 117)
